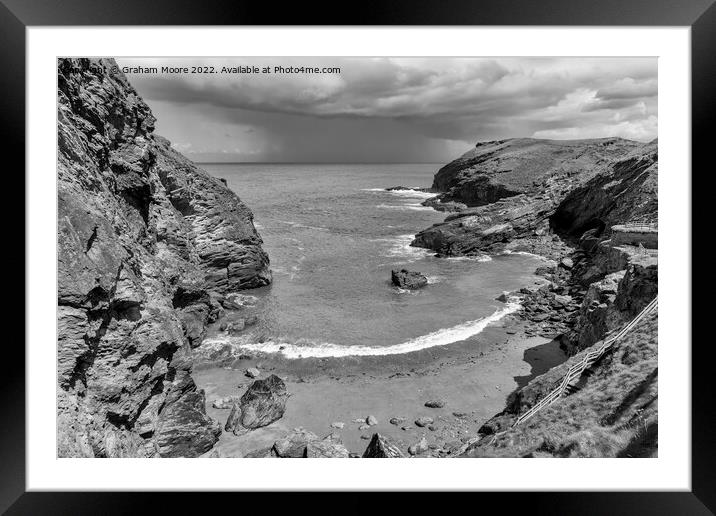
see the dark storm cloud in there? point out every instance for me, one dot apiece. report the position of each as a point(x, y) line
point(396, 109)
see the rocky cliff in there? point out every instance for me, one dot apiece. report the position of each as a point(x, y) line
point(148, 244)
point(512, 189)
point(504, 168)
point(592, 207)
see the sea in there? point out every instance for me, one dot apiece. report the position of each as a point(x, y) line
point(333, 234)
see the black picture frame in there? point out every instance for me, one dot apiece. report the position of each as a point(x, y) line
point(17, 15)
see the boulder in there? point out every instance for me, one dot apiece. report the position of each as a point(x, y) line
point(371, 420)
point(397, 420)
point(404, 278)
point(380, 448)
point(294, 444)
point(253, 372)
point(263, 403)
point(435, 403)
point(325, 449)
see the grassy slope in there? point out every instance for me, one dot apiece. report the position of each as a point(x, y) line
point(614, 415)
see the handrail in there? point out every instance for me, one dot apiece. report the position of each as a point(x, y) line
point(589, 359)
point(647, 225)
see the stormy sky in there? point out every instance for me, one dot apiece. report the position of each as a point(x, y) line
point(393, 109)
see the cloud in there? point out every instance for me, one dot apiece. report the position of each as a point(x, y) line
point(420, 104)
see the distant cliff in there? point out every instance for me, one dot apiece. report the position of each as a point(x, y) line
point(504, 168)
point(148, 244)
point(519, 192)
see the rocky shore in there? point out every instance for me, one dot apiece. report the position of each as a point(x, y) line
point(590, 207)
point(149, 246)
point(599, 271)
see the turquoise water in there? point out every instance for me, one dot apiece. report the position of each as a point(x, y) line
point(333, 235)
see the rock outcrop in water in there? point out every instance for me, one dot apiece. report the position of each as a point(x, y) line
point(148, 243)
point(404, 278)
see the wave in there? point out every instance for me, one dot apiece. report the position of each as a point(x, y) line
point(415, 194)
point(477, 258)
point(401, 248)
point(406, 194)
point(405, 207)
point(306, 348)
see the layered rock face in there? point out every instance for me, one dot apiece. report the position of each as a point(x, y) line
point(625, 192)
point(148, 244)
point(513, 189)
point(504, 168)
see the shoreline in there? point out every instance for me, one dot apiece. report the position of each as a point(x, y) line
point(474, 378)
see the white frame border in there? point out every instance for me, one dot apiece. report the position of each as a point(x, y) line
point(670, 471)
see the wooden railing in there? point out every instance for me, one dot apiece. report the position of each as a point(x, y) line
point(636, 225)
point(575, 372)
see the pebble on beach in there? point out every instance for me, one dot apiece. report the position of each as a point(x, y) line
point(424, 421)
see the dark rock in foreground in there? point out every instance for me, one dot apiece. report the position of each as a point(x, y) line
point(380, 448)
point(263, 403)
point(294, 444)
point(304, 444)
point(408, 279)
point(325, 449)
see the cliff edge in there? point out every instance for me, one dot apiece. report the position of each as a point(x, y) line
point(148, 244)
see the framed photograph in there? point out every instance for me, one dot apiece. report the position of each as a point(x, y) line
point(425, 234)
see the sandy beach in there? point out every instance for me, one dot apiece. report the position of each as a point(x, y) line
point(473, 378)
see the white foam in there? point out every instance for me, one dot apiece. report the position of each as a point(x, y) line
point(242, 299)
point(415, 194)
point(476, 258)
point(404, 207)
point(401, 248)
point(310, 349)
point(525, 253)
point(407, 193)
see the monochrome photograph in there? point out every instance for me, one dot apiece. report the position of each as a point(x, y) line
point(357, 257)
